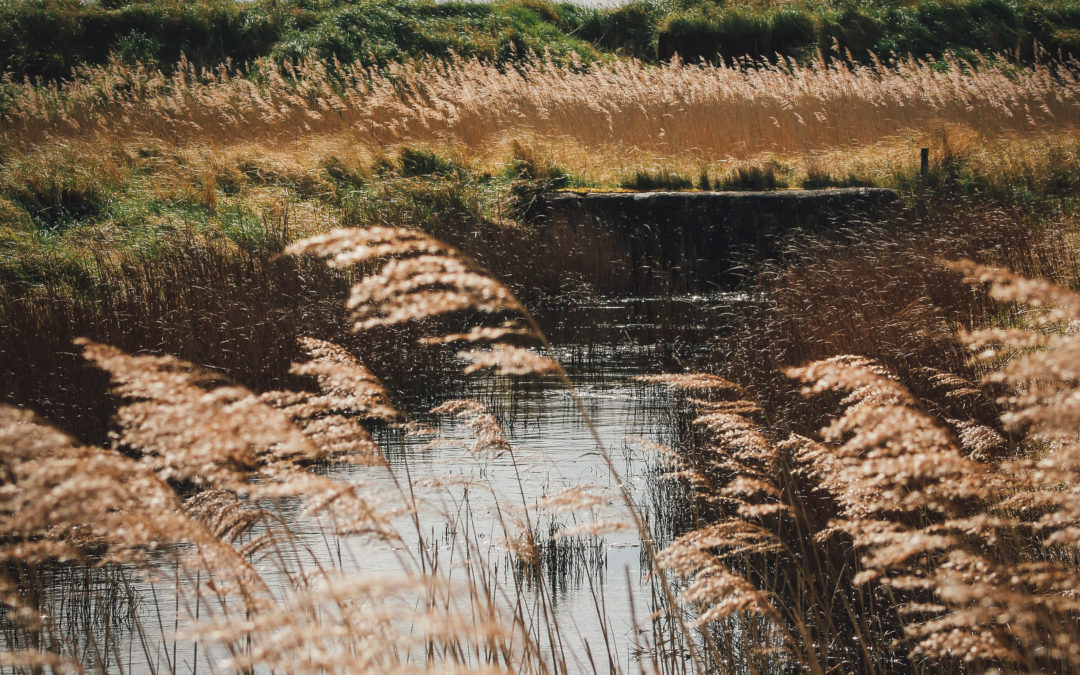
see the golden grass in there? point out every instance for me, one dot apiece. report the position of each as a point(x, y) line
point(894, 537)
point(673, 110)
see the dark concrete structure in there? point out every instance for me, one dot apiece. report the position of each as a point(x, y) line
point(706, 234)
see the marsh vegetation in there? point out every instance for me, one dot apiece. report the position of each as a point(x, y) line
point(297, 375)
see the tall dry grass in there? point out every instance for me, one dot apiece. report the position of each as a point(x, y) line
point(672, 109)
point(901, 538)
point(871, 494)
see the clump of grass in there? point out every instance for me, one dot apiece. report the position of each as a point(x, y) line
point(562, 561)
point(446, 206)
point(712, 32)
point(55, 191)
point(768, 176)
point(817, 178)
point(704, 182)
point(660, 180)
point(531, 178)
point(630, 29)
point(424, 162)
point(343, 174)
point(527, 164)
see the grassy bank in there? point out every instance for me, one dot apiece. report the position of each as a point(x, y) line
point(870, 30)
point(129, 161)
point(74, 213)
point(51, 39)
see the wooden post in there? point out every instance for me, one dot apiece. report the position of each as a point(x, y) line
point(924, 163)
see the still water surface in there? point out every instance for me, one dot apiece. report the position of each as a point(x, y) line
point(603, 345)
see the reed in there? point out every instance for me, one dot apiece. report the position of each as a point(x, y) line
point(902, 535)
point(862, 477)
point(864, 496)
point(196, 466)
point(876, 545)
point(674, 109)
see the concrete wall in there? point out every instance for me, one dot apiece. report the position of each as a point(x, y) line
point(706, 234)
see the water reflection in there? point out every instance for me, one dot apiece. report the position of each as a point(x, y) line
point(595, 440)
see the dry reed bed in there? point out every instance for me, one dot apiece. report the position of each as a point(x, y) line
point(672, 109)
point(900, 537)
point(880, 291)
point(884, 484)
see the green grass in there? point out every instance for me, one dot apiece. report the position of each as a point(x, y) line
point(49, 38)
point(377, 32)
point(1049, 185)
point(717, 30)
point(657, 180)
point(64, 212)
point(766, 176)
point(629, 30)
point(816, 178)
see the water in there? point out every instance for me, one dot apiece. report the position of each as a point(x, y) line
point(595, 438)
point(555, 450)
